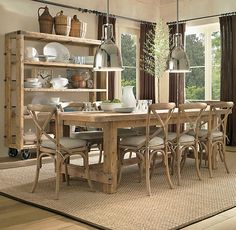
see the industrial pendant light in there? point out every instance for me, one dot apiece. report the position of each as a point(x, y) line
point(177, 60)
point(107, 57)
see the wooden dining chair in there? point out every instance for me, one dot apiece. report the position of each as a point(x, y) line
point(93, 136)
point(59, 149)
point(213, 139)
point(148, 147)
point(188, 120)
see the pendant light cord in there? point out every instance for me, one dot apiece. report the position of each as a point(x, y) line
point(177, 22)
point(107, 11)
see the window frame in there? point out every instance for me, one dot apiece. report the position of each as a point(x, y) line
point(134, 30)
point(207, 30)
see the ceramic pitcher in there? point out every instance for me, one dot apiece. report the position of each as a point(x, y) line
point(128, 98)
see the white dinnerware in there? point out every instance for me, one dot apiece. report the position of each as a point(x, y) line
point(59, 51)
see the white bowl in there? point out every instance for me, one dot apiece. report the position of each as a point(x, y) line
point(32, 79)
point(110, 106)
point(59, 82)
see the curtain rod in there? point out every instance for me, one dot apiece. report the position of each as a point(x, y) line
point(204, 17)
point(83, 10)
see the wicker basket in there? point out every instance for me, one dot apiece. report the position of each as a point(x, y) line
point(62, 24)
point(78, 28)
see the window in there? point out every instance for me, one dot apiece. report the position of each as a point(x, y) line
point(203, 49)
point(129, 46)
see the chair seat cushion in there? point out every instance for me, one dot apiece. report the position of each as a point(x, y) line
point(67, 142)
point(135, 141)
point(88, 135)
point(217, 134)
point(214, 135)
point(186, 139)
point(201, 133)
point(171, 136)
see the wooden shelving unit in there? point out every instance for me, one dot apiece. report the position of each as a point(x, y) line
point(15, 93)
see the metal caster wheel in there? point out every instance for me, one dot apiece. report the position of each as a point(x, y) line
point(25, 154)
point(12, 152)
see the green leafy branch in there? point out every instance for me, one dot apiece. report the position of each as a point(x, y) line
point(156, 50)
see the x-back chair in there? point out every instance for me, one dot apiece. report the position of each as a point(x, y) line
point(60, 149)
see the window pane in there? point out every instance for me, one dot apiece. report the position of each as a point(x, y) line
point(195, 84)
point(216, 56)
point(128, 49)
point(195, 49)
point(128, 52)
point(195, 81)
point(128, 77)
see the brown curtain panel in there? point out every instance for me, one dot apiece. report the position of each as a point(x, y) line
point(228, 70)
point(173, 77)
point(147, 81)
point(111, 75)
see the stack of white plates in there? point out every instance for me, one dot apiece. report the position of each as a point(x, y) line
point(33, 84)
point(57, 52)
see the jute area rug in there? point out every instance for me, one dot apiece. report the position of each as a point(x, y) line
point(130, 208)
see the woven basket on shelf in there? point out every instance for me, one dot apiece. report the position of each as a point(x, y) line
point(62, 24)
point(78, 28)
point(45, 21)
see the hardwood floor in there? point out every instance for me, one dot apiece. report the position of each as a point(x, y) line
point(15, 215)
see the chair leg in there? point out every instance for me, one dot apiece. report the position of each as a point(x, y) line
point(141, 167)
point(67, 178)
point(38, 167)
point(197, 163)
point(224, 158)
point(178, 154)
point(86, 165)
point(209, 153)
point(58, 176)
point(167, 170)
point(35, 180)
point(147, 170)
point(119, 165)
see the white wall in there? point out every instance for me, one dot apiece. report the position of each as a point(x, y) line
point(195, 8)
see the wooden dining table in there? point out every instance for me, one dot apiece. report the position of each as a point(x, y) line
point(106, 173)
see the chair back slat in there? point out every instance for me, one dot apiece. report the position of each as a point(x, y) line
point(191, 122)
point(162, 121)
point(42, 115)
point(219, 112)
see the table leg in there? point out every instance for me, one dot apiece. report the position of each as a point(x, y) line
point(110, 156)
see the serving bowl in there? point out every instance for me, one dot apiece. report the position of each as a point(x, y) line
point(110, 106)
point(59, 82)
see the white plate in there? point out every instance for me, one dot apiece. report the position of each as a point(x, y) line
point(32, 84)
point(124, 110)
point(56, 49)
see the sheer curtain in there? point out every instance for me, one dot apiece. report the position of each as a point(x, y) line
point(111, 75)
point(228, 70)
point(175, 80)
point(147, 81)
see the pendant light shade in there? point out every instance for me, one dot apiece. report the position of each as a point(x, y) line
point(107, 57)
point(177, 60)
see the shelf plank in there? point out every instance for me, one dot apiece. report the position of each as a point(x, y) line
point(63, 90)
point(57, 64)
point(53, 37)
